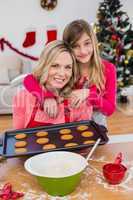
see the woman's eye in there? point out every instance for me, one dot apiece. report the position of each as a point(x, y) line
point(54, 65)
point(68, 67)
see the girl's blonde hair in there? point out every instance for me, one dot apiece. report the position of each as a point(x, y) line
point(47, 58)
point(71, 35)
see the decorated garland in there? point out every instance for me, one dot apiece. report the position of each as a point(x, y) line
point(3, 41)
point(29, 40)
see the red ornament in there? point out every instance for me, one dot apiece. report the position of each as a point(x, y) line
point(48, 4)
point(114, 37)
point(6, 193)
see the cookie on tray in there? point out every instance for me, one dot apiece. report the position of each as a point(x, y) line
point(20, 150)
point(71, 144)
point(65, 131)
point(20, 144)
point(42, 140)
point(82, 127)
point(89, 142)
point(20, 136)
point(49, 146)
point(87, 134)
point(41, 133)
point(66, 137)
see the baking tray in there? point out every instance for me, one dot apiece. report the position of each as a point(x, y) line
point(7, 149)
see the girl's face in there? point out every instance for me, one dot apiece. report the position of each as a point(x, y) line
point(83, 49)
point(60, 71)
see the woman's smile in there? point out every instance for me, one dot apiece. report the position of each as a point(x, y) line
point(59, 80)
point(60, 71)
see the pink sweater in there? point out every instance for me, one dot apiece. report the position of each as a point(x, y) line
point(105, 102)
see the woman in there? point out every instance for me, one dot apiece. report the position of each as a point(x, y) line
point(97, 82)
point(57, 73)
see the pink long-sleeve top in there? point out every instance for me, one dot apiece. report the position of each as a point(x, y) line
point(104, 102)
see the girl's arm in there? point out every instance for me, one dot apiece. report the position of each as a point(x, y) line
point(33, 86)
point(50, 104)
point(106, 103)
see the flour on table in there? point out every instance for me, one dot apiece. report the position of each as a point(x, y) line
point(102, 159)
point(31, 194)
point(78, 196)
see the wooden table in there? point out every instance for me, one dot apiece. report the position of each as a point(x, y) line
point(91, 187)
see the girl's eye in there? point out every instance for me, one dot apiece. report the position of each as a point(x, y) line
point(75, 46)
point(87, 43)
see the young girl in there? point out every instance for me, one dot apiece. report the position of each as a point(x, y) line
point(56, 72)
point(97, 82)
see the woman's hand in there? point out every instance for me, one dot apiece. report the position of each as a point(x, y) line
point(78, 96)
point(50, 107)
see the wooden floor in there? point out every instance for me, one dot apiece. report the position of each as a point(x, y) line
point(118, 123)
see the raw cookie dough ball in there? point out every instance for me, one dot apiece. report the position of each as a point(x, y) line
point(49, 146)
point(20, 144)
point(42, 140)
point(65, 131)
point(20, 136)
point(82, 127)
point(41, 133)
point(66, 137)
point(71, 144)
point(87, 134)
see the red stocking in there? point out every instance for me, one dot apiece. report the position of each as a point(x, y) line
point(30, 39)
point(51, 35)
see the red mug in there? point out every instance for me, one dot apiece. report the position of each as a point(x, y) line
point(114, 172)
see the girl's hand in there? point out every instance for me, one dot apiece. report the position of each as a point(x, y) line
point(50, 107)
point(78, 96)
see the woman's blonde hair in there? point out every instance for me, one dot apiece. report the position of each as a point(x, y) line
point(71, 35)
point(47, 58)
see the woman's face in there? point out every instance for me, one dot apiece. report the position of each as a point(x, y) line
point(60, 71)
point(83, 49)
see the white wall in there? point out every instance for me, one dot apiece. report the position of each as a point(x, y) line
point(17, 17)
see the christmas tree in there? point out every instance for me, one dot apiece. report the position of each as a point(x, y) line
point(115, 36)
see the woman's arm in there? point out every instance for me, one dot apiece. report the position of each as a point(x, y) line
point(106, 103)
point(18, 112)
point(33, 86)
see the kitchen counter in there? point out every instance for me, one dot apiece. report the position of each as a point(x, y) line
point(92, 185)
